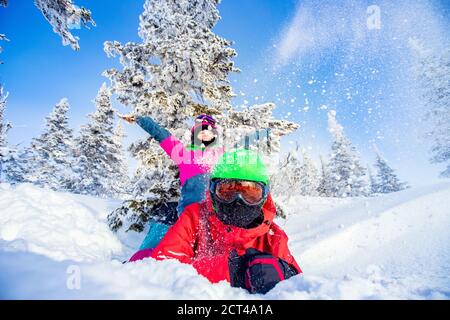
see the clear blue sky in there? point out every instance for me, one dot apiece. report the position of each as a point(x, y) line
point(307, 56)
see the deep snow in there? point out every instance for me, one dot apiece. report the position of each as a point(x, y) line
point(390, 246)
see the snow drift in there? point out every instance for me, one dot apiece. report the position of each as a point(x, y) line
point(388, 247)
point(58, 225)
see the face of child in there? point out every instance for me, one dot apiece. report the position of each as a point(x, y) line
point(205, 135)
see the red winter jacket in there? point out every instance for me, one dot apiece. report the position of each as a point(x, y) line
point(201, 239)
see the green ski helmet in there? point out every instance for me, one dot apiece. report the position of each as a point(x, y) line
point(243, 164)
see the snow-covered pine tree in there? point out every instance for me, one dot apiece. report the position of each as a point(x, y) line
point(256, 128)
point(14, 162)
point(258, 125)
point(99, 158)
point(51, 151)
point(309, 177)
point(6, 152)
point(153, 185)
point(64, 15)
point(285, 181)
point(179, 70)
point(181, 66)
point(19, 167)
point(294, 177)
point(346, 177)
point(121, 178)
point(387, 179)
point(321, 190)
point(433, 73)
point(373, 183)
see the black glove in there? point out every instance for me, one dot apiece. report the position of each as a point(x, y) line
point(258, 272)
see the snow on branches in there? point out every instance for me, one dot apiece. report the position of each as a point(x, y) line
point(258, 125)
point(4, 126)
point(63, 15)
point(51, 151)
point(386, 180)
point(295, 177)
point(5, 151)
point(433, 74)
point(180, 66)
point(345, 176)
point(99, 167)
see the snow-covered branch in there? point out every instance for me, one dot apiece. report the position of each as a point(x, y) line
point(63, 16)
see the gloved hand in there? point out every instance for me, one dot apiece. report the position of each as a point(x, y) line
point(258, 272)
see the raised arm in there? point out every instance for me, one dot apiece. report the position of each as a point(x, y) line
point(153, 128)
point(168, 142)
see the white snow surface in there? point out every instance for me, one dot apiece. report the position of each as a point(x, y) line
point(396, 246)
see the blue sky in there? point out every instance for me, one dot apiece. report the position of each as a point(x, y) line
point(307, 56)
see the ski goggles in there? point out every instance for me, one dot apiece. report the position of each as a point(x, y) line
point(228, 190)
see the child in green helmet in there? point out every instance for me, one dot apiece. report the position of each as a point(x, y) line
point(231, 235)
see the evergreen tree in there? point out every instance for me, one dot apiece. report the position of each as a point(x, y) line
point(387, 179)
point(98, 155)
point(293, 177)
point(121, 178)
point(153, 185)
point(20, 166)
point(309, 177)
point(257, 127)
point(373, 183)
point(51, 151)
point(286, 179)
point(14, 163)
point(323, 178)
point(179, 69)
point(6, 152)
point(346, 177)
point(433, 72)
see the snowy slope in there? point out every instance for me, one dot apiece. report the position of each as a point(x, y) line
point(58, 225)
point(392, 246)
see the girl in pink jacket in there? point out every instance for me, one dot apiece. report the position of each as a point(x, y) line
point(194, 163)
